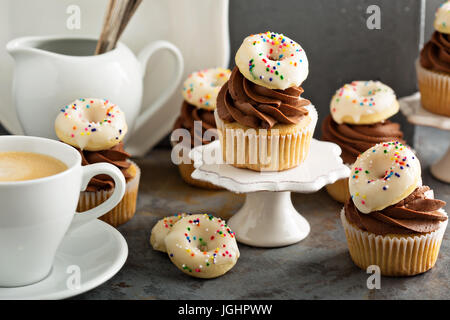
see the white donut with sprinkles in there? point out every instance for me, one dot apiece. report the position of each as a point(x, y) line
point(363, 102)
point(91, 124)
point(272, 60)
point(442, 19)
point(202, 246)
point(383, 175)
point(162, 229)
point(201, 88)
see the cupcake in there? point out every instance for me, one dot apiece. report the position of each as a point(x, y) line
point(96, 128)
point(197, 116)
point(433, 66)
point(358, 120)
point(264, 124)
point(391, 219)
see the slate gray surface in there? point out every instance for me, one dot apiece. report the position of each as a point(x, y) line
point(318, 267)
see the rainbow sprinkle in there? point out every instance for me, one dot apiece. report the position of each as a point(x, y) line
point(196, 245)
point(75, 110)
point(394, 171)
point(279, 48)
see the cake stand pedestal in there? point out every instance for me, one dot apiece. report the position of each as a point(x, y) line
point(412, 108)
point(268, 217)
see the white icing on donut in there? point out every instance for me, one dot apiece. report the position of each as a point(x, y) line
point(91, 124)
point(272, 60)
point(361, 98)
point(442, 19)
point(383, 175)
point(162, 229)
point(202, 246)
point(201, 88)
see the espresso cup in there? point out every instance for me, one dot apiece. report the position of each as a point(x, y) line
point(36, 214)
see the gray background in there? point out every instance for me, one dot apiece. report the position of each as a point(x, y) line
point(339, 46)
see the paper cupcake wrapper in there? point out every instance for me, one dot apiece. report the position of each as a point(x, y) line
point(124, 210)
point(271, 152)
point(186, 170)
point(434, 90)
point(339, 190)
point(395, 255)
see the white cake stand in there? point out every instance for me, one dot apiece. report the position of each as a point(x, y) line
point(412, 108)
point(268, 217)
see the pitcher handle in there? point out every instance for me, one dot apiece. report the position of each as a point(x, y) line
point(143, 57)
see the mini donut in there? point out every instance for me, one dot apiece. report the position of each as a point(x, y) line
point(272, 60)
point(91, 124)
point(201, 88)
point(202, 246)
point(162, 229)
point(442, 18)
point(383, 175)
point(363, 102)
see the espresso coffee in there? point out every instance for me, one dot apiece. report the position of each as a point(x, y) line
point(20, 166)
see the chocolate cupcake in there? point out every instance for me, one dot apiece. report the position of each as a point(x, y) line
point(264, 124)
point(197, 115)
point(433, 66)
point(101, 187)
point(357, 122)
point(392, 220)
point(96, 128)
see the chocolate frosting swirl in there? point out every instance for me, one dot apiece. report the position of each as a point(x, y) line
point(189, 114)
point(435, 55)
point(415, 214)
point(115, 156)
point(355, 139)
point(255, 106)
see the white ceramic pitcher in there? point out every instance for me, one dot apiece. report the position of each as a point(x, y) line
point(52, 71)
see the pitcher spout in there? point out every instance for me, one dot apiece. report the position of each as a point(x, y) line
point(22, 46)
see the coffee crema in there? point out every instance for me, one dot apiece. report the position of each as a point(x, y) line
point(21, 166)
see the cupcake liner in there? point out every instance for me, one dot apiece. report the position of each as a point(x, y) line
point(186, 172)
point(434, 90)
point(339, 190)
point(396, 255)
point(124, 210)
point(265, 152)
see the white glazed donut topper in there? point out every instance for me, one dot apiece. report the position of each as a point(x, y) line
point(383, 175)
point(363, 102)
point(91, 124)
point(202, 246)
point(272, 60)
point(201, 88)
point(442, 18)
point(162, 229)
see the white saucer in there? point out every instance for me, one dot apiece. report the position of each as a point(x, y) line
point(97, 249)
